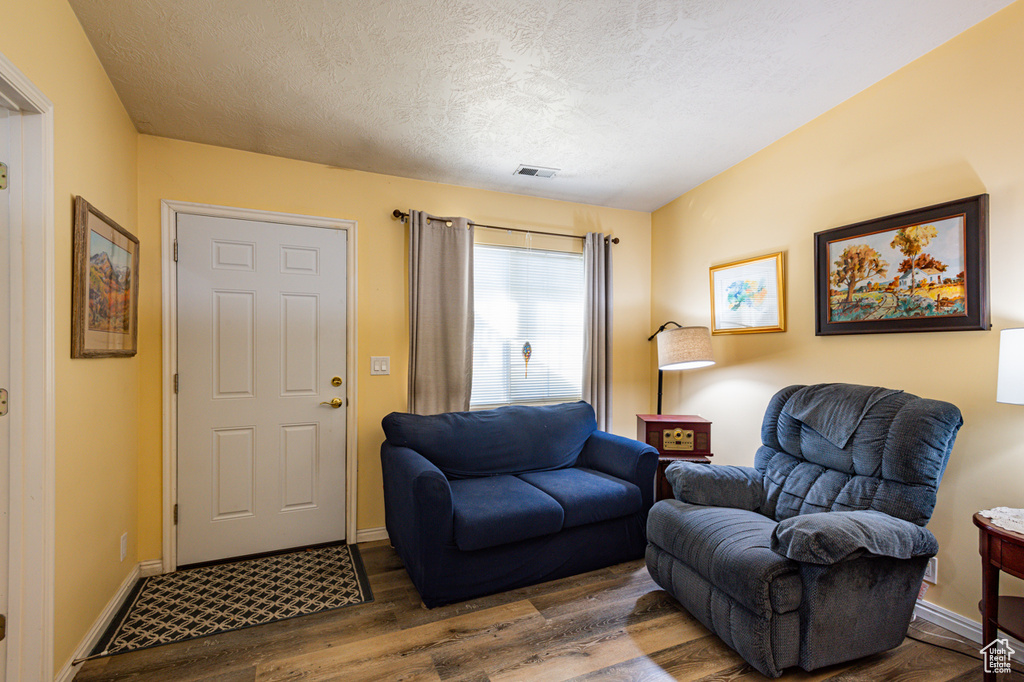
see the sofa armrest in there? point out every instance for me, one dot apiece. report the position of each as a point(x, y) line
point(714, 485)
point(623, 458)
point(417, 501)
point(826, 538)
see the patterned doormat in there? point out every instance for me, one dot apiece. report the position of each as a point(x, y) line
point(209, 600)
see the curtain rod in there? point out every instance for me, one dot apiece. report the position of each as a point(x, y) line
point(402, 215)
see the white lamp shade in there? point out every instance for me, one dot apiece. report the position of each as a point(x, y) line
point(684, 348)
point(1010, 387)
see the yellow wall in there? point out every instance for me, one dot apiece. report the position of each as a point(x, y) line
point(184, 171)
point(946, 126)
point(95, 154)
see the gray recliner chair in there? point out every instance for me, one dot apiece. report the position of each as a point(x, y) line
point(815, 555)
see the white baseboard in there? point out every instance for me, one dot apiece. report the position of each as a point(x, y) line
point(963, 626)
point(371, 534)
point(151, 567)
point(67, 671)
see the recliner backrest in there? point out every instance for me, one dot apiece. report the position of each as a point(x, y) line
point(892, 462)
point(507, 440)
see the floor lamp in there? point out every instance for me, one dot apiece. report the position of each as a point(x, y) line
point(681, 348)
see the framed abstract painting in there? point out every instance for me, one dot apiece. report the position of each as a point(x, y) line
point(922, 270)
point(749, 296)
point(105, 286)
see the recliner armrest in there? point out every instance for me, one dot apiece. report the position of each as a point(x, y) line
point(826, 538)
point(715, 485)
point(623, 458)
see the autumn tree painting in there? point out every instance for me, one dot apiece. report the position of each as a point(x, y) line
point(858, 263)
point(922, 262)
point(918, 270)
point(910, 241)
point(863, 288)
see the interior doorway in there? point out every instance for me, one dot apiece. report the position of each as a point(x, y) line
point(27, 317)
point(5, 375)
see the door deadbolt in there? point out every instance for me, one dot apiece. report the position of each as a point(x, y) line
point(336, 381)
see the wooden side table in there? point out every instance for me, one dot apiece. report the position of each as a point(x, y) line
point(676, 437)
point(1001, 550)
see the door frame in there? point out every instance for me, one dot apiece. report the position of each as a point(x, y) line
point(168, 228)
point(33, 426)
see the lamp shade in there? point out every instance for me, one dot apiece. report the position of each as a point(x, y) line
point(684, 348)
point(1010, 388)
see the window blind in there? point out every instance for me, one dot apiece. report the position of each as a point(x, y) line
point(523, 295)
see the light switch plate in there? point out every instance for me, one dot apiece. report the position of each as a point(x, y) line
point(380, 364)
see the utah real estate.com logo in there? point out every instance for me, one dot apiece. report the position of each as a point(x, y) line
point(996, 656)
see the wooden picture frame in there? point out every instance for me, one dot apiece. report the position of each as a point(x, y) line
point(104, 286)
point(749, 296)
point(921, 270)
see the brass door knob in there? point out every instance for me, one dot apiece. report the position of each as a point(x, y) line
point(335, 402)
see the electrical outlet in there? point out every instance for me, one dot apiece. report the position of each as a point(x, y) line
point(124, 545)
point(931, 571)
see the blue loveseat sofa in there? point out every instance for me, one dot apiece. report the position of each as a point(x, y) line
point(481, 502)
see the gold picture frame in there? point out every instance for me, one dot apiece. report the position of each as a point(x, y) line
point(749, 296)
point(104, 286)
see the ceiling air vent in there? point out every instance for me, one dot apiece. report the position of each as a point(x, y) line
point(536, 171)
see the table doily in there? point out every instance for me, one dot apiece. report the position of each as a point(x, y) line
point(1006, 517)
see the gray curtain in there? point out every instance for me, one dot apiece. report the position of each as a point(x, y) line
point(440, 314)
point(597, 332)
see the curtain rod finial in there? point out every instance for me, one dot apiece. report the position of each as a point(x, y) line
point(397, 213)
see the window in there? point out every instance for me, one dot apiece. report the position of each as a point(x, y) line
point(523, 295)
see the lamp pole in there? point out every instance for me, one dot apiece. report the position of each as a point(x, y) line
point(661, 375)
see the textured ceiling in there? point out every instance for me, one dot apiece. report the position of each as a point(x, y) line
point(636, 102)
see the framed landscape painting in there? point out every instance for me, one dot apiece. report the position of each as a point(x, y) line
point(105, 286)
point(923, 270)
point(749, 296)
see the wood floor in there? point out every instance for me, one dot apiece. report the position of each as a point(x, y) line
point(612, 624)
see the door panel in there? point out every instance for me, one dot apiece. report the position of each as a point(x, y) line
point(234, 344)
point(261, 333)
point(234, 458)
point(299, 451)
point(300, 315)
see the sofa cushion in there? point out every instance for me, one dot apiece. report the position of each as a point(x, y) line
point(508, 440)
point(587, 496)
point(731, 549)
point(498, 510)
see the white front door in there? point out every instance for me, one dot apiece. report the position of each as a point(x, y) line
point(261, 346)
point(5, 376)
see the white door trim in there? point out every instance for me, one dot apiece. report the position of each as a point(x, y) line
point(169, 212)
point(32, 427)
